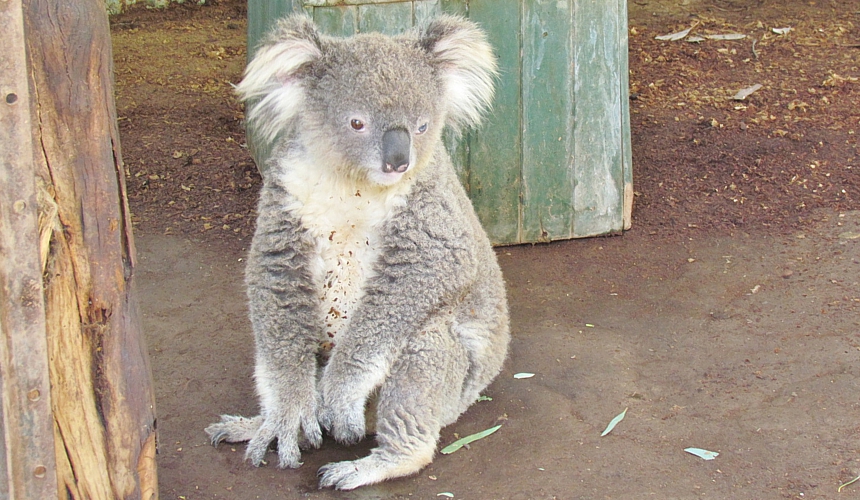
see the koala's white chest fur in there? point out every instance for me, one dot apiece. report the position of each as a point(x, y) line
point(345, 221)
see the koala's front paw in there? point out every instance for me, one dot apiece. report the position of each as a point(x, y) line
point(292, 430)
point(345, 422)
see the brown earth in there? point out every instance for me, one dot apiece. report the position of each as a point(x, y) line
point(726, 319)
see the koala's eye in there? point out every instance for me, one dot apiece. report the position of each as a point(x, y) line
point(356, 124)
point(422, 128)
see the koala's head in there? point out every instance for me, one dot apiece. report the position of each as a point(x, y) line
point(369, 106)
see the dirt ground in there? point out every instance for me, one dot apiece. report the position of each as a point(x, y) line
point(726, 319)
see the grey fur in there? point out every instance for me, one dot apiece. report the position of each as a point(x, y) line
point(390, 266)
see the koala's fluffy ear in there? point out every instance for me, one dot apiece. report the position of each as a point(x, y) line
point(466, 60)
point(271, 86)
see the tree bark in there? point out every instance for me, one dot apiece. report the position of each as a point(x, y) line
point(101, 383)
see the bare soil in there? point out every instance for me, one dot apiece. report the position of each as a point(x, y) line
point(726, 319)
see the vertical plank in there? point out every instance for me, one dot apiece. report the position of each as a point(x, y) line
point(423, 10)
point(388, 18)
point(599, 184)
point(457, 146)
point(495, 150)
point(547, 120)
point(337, 21)
point(458, 150)
point(29, 468)
point(624, 91)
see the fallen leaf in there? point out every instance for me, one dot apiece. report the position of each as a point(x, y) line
point(456, 445)
point(614, 422)
point(847, 484)
point(674, 37)
point(744, 93)
point(727, 36)
point(703, 454)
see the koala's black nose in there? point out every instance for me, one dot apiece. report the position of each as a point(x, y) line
point(395, 150)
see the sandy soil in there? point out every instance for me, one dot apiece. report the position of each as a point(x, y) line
point(725, 320)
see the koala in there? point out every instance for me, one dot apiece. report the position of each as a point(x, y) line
point(369, 276)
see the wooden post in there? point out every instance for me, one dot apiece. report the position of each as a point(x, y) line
point(28, 441)
point(68, 312)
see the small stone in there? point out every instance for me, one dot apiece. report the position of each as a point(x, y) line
point(787, 273)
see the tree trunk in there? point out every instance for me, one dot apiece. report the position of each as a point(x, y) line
point(100, 380)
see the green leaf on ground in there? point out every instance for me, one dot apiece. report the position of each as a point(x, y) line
point(614, 422)
point(456, 445)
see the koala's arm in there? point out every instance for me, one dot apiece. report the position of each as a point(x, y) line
point(284, 317)
point(428, 262)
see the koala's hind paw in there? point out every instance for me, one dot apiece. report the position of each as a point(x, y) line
point(233, 429)
point(346, 475)
point(371, 469)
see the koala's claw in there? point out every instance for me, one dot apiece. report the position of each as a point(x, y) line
point(340, 475)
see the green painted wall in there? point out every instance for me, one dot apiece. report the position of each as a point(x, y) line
point(553, 159)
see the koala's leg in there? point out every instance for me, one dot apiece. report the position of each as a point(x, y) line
point(421, 394)
point(486, 343)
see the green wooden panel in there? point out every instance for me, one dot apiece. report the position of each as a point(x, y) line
point(547, 182)
point(388, 18)
point(495, 150)
point(597, 138)
point(340, 21)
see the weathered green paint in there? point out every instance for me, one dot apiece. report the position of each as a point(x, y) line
point(341, 20)
point(423, 11)
point(388, 18)
point(495, 157)
point(624, 92)
point(553, 160)
point(262, 15)
point(547, 121)
point(598, 194)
